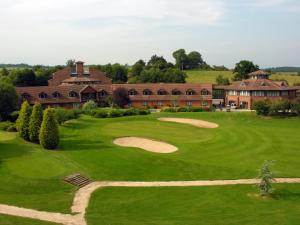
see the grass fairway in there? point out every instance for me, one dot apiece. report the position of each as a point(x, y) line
point(12, 220)
point(32, 177)
point(228, 205)
point(203, 76)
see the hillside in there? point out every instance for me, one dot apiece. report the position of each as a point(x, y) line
point(203, 76)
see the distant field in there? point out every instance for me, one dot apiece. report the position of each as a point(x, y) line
point(202, 76)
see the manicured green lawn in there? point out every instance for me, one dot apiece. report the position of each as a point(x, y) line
point(203, 76)
point(32, 177)
point(228, 205)
point(13, 220)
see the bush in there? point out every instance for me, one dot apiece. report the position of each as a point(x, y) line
point(131, 112)
point(13, 116)
point(35, 122)
point(171, 109)
point(11, 128)
point(49, 135)
point(279, 107)
point(89, 106)
point(23, 121)
point(100, 113)
point(5, 125)
point(261, 108)
point(115, 113)
point(182, 109)
point(144, 111)
point(62, 115)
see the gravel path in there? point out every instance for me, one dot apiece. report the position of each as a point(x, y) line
point(82, 197)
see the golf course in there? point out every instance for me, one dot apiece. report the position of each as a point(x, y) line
point(235, 148)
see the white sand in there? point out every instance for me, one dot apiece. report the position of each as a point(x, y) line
point(146, 144)
point(193, 122)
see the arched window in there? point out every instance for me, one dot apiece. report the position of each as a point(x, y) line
point(132, 92)
point(147, 92)
point(42, 95)
point(102, 93)
point(73, 94)
point(190, 92)
point(162, 92)
point(56, 94)
point(204, 92)
point(176, 92)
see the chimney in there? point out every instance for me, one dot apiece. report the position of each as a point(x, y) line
point(79, 68)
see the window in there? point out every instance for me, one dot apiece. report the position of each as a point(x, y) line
point(284, 93)
point(159, 103)
point(147, 92)
point(26, 96)
point(73, 94)
point(161, 92)
point(232, 93)
point(174, 103)
point(189, 103)
point(244, 93)
point(145, 103)
point(42, 95)
point(204, 103)
point(273, 93)
point(176, 92)
point(190, 92)
point(102, 93)
point(132, 92)
point(56, 94)
point(258, 93)
point(204, 92)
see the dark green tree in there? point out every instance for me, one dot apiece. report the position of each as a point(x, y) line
point(8, 98)
point(35, 122)
point(22, 123)
point(266, 179)
point(70, 62)
point(195, 60)
point(121, 97)
point(181, 59)
point(4, 72)
point(221, 80)
point(137, 68)
point(174, 76)
point(23, 77)
point(119, 73)
point(157, 62)
point(243, 68)
point(49, 135)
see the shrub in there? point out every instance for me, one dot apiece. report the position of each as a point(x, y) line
point(197, 109)
point(295, 106)
point(115, 113)
point(100, 113)
point(23, 121)
point(261, 108)
point(35, 122)
point(279, 107)
point(131, 112)
point(11, 128)
point(62, 115)
point(181, 109)
point(266, 178)
point(5, 125)
point(13, 116)
point(171, 109)
point(49, 136)
point(89, 106)
point(144, 111)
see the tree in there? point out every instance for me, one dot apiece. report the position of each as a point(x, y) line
point(23, 77)
point(137, 68)
point(49, 135)
point(121, 97)
point(261, 108)
point(152, 75)
point(70, 63)
point(266, 178)
point(243, 68)
point(174, 76)
point(8, 98)
point(89, 106)
point(22, 123)
point(195, 60)
point(119, 73)
point(157, 62)
point(221, 80)
point(181, 59)
point(35, 122)
point(4, 72)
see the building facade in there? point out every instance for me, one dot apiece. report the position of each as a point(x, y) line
point(72, 87)
point(243, 94)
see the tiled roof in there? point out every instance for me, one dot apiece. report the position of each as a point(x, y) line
point(259, 72)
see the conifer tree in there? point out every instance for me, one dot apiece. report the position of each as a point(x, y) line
point(35, 122)
point(22, 123)
point(49, 137)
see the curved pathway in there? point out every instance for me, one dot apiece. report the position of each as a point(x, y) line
point(82, 197)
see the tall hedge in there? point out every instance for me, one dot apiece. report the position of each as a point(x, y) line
point(35, 122)
point(49, 136)
point(22, 123)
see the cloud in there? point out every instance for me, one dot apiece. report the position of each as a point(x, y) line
point(277, 5)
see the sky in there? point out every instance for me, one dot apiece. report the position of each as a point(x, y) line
point(107, 31)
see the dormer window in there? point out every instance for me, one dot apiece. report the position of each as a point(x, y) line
point(147, 92)
point(25, 96)
point(132, 92)
point(56, 94)
point(161, 92)
point(42, 95)
point(176, 92)
point(102, 93)
point(190, 92)
point(204, 92)
point(73, 94)
point(243, 84)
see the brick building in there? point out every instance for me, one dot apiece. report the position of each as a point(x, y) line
point(72, 87)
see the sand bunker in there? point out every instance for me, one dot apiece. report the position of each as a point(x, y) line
point(193, 122)
point(146, 144)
